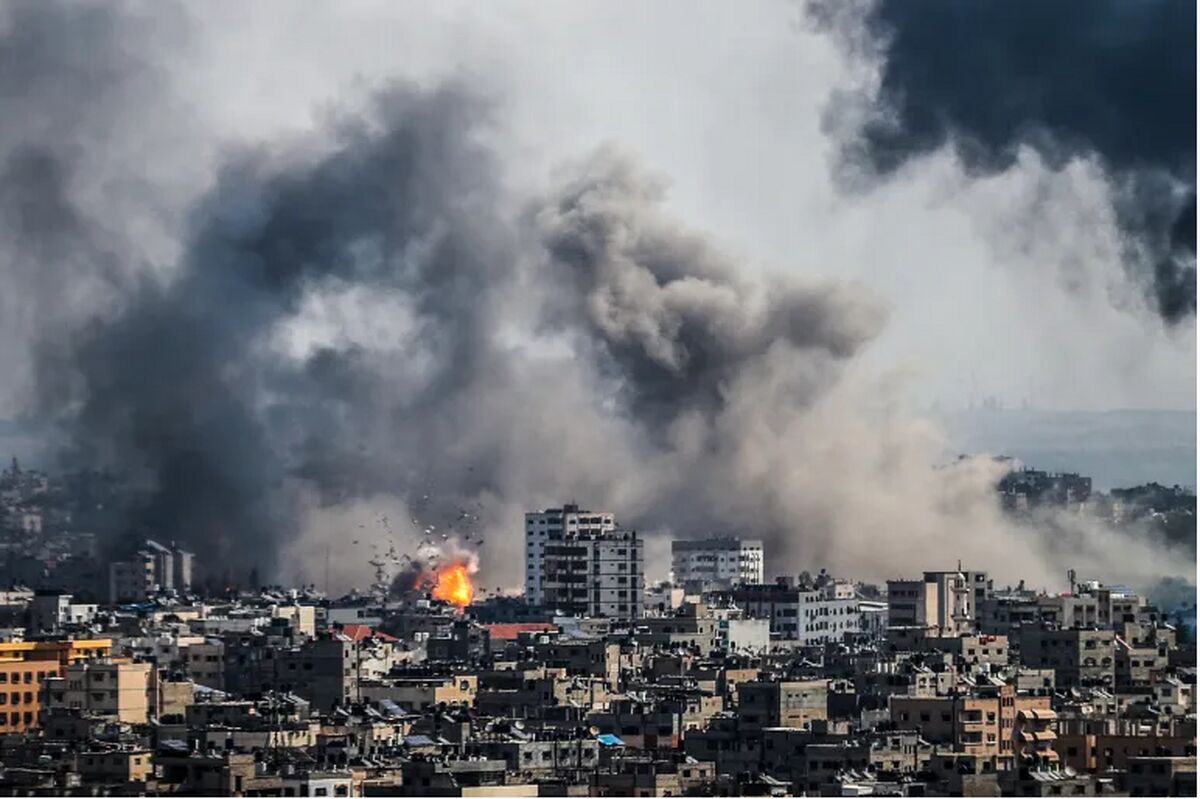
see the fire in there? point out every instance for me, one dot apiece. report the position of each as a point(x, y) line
point(454, 585)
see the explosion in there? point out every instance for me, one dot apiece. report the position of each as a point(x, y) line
point(454, 585)
point(443, 571)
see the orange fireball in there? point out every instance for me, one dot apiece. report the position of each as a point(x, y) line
point(454, 585)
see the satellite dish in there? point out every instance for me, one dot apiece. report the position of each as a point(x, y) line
point(594, 730)
point(520, 725)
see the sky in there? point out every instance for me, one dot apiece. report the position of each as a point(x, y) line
point(706, 264)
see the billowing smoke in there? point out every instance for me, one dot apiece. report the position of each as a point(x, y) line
point(77, 212)
point(1115, 81)
point(363, 337)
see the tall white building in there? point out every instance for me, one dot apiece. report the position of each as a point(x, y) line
point(578, 562)
point(553, 524)
point(712, 563)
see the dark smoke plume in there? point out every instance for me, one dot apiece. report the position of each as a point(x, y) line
point(182, 387)
point(367, 335)
point(85, 103)
point(1115, 78)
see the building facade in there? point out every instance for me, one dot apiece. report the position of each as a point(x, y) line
point(151, 569)
point(810, 616)
point(553, 525)
point(119, 690)
point(716, 562)
point(949, 601)
point(580, 563)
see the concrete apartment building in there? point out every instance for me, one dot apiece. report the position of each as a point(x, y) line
point(422, 693)
point(973, 650)
point(810, 616)
point(790, 703)
point(27, 667)
point(21, 686)
point(556, 524)
point(151, 569)
point(1104, 744)
point(977, 725)
point(949, 601)
point(1080, 658)
point(118, 690)
point(206, 663)
point(51, 611)
point(1161, 776)
point(711, 563)
point(579, 563)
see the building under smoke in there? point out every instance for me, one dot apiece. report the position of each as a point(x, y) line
point(581, 563)
point(711, 563)
point(152, 569)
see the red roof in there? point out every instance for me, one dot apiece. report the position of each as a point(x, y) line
point(509, 632)
point(360, 632)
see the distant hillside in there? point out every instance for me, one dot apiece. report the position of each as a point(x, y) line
point(1114, 448)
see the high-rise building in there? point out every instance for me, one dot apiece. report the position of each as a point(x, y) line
point(553, 524)
point(715, 563)
point(152, 568)
point(164, 564)
point(182, 568)
point(132, 580)
point(581, 563)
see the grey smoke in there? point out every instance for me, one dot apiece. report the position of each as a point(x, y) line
point(1115, 81)
point(667, 313)
point(368, 321)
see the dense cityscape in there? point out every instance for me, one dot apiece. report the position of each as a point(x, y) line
point(514, 399)
point(127, 674)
